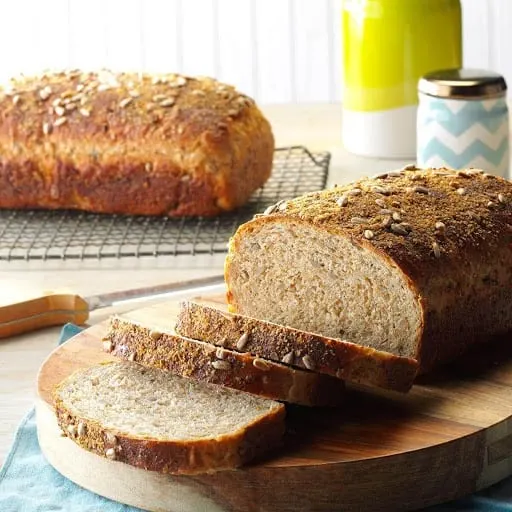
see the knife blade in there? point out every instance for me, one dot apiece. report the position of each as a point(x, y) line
point(51, 309)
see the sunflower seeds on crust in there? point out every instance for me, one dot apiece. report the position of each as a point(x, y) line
point(221, 365)
point(242, 341)
point(308, 362)
point(288, 358)
point(260, 364)
point(399, 229)
point(436, 249)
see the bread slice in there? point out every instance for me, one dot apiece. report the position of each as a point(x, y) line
point(413, 262)
point(163, 348)
point(345, 360)
point(157, 421)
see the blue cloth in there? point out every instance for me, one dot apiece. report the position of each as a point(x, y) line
point(29, 484)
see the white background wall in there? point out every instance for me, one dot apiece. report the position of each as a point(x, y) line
point(278, 51)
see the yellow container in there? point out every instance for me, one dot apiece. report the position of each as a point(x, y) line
point(388, 45)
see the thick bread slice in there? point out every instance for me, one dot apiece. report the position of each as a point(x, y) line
point(167, 350)
point(413, 262)
point(345, 360)
point(157, 421)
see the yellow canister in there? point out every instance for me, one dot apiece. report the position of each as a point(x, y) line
point(388, 45)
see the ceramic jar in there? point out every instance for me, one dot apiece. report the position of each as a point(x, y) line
point(463, 121)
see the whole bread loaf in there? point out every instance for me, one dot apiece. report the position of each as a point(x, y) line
point(130, 144)
point(157, 421)
point(413, 262)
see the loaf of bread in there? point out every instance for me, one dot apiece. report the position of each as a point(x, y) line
point(130, 144)
point(344, 360)
point(166, 350)
point(414, 262)
point(157, 421)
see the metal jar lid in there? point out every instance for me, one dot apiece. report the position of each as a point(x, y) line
point(463, 84)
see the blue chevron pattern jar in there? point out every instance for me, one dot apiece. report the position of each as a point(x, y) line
point(463, 121)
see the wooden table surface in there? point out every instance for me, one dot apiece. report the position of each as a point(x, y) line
point(315, 126)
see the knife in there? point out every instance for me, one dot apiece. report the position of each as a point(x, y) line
point(57, 309)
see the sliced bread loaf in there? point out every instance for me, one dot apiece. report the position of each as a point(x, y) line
point(164, 349)
point(345, 360)
point(157, 421)
point(414, 262)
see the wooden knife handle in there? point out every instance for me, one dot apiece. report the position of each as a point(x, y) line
point(44, 311)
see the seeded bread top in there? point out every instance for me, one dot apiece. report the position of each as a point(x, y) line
point(131, 106)
point(413, 214)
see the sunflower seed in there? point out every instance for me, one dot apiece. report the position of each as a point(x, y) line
point(381, 176)
point(442, 173)
point(441, 227)
point(380, 202)
point(410, 167)
point(47, 128)
point(271, 209)
point(221, 365)
point(394, 174)
point(134, 94)
point(288, 358)
point(81, 429)
point(368, 234)
point(501, 198)
point(436, 249)
point(16, 99)
point(308, 362)
point(107, 346)
point(125, 102)
point(461, 191)
point(110, 453)
point(342, 201)
point(45, 92)
point(385, 211)
point(242, 341)
point(420, 189)
point(168, 102)
point(399, 229)
point(60, 111)
point(110, 438)
point(220, 353)
point(381, 190)
point(358, 220)
point(85, 112)
point(354, 192)
point(261, 365)
point(386, 221)
point(396, 216)
point(415, 177)
point(71, 430)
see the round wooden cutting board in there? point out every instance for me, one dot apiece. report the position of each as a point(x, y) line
point(449, 436)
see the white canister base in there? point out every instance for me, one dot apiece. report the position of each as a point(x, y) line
point(384, 134)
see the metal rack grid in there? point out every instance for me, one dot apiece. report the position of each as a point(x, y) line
point(49, 235)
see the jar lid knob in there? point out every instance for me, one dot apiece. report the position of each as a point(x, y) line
point(463, 84)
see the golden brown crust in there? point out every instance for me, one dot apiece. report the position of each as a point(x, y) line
point(450, 233)
point(204, 362)
point(347, 361)
point(176, 457)
point(129, 143)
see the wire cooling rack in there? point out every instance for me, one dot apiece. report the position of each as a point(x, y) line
point(44, 235)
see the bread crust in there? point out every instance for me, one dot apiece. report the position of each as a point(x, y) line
point(460, 271)
point(344, 360)
point(185, 457)
point(190, 358)
point(130, 144)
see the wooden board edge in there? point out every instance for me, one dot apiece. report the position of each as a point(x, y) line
point(114, 480)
